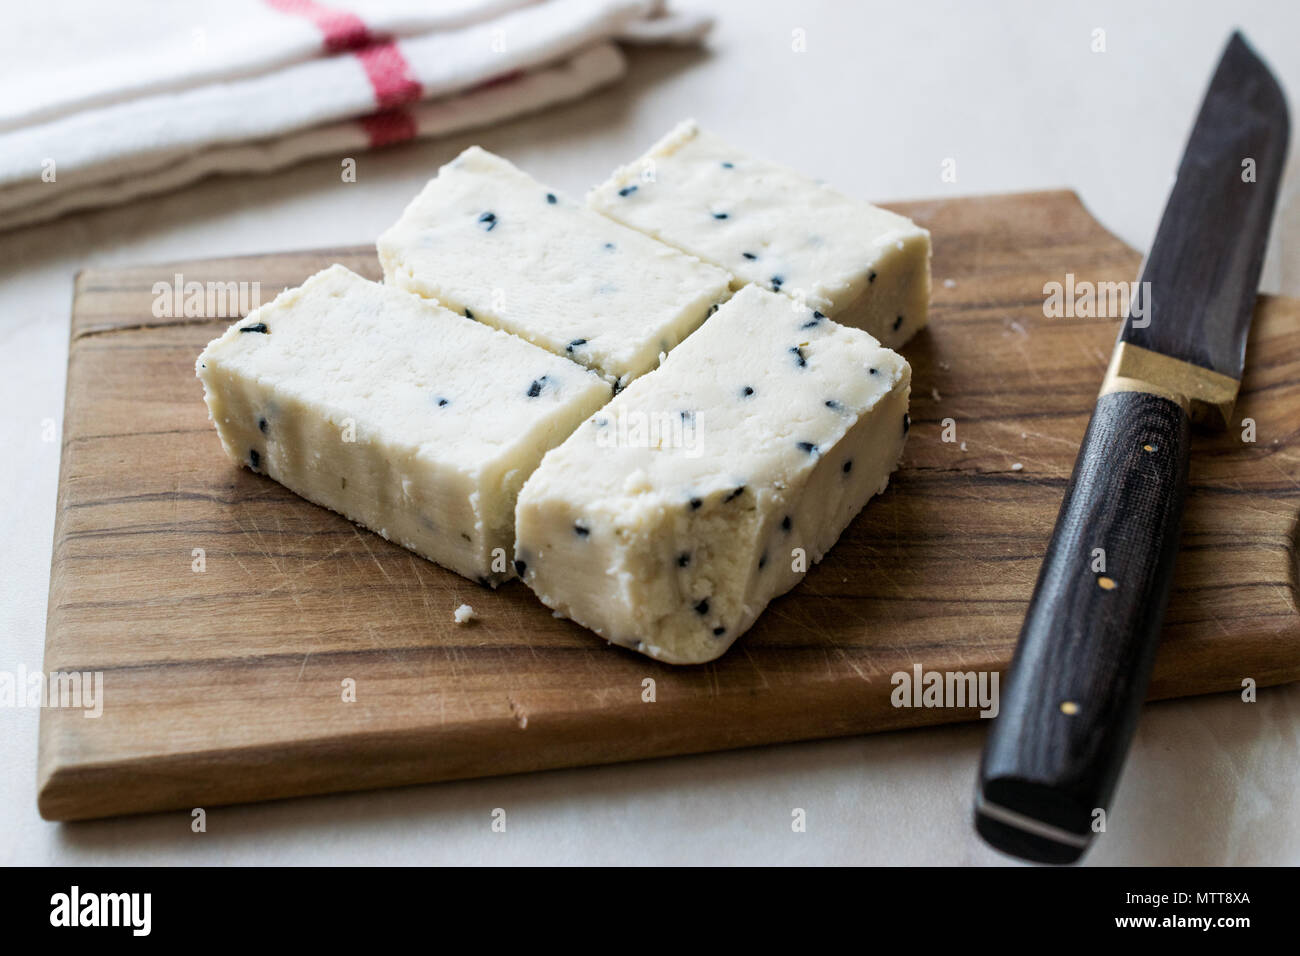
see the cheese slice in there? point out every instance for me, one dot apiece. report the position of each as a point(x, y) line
point(487, 240)
point(861, 265)
point(671, 517)
point(400, 415)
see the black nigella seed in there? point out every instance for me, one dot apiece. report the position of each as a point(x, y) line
point(898, 323)
point(786, 523)
point(749, 255)
point(683, 559)
point(261, 425)
point(719, 631)
point(871, 276)
point(762, 561)
point(798, 354)
point(443, 403)
point(807, 446)
point(713, 308)
point(728, 165)
point(580, 529)
point(871, 371)
point(535, 388)
point(695, 503)
point(488, 219)
point(719, 215)
point(574, 344)
point(254, 459)
point(609, 246)
point(740, 490)
point(469, 314)
point(848, 466)
point(777, 282)
point(703, 607)
point(813, 322)
point(627, 190)
point(520, 567)
point(907, 422)
point(550, 198)
point(747, 391)
point(259, 327)
point(831, 403)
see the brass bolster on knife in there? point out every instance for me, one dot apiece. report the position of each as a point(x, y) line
point(1207, 396)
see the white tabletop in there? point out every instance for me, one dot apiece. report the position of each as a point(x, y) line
point(883, 95)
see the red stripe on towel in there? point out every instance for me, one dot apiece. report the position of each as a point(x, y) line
point(343, 30)
point(390, 126)
point(389, 74)
point(387, 70)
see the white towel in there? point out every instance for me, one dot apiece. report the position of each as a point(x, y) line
point(115, 111)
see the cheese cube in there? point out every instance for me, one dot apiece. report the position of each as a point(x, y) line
point(489, 241)
point(861, 265)
point(670, 518)
point(398, 414)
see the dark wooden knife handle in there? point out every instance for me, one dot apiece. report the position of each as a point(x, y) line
point(1080, 671)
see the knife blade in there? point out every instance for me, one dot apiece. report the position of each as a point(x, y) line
point(1083, 660)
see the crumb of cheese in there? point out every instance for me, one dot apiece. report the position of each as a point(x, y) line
point(464, 614)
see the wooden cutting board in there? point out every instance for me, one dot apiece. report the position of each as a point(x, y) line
point(227, 684)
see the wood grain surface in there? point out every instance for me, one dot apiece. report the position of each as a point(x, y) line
point(226, 685)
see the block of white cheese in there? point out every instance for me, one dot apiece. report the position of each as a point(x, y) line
point(400, 415)
point(861, 265)
point(488, 241)
point(671, 517)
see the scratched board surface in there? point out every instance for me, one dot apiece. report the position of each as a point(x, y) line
point(226, 684)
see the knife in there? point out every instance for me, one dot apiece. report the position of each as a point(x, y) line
point(1083, 661)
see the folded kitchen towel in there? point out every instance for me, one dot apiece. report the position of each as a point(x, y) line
point(259, 96)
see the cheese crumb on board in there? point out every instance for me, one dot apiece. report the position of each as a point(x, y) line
point(488, 241)
point(671, 517)
point(394, 412)
point(861, 265)
point(463, 614)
